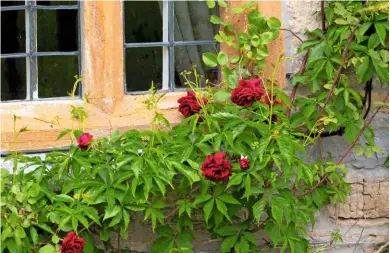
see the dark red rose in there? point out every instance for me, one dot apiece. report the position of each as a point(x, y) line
point(189, 105)
point(216, 168)
point(84, 140)
point(72, 244)
point(244, 163)
point(247, 92)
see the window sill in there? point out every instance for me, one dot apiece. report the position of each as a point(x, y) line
point(46, 119)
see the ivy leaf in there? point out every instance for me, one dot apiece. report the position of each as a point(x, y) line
point(163, 244)
point(235, 180)
point(373, 41)
point(222, 3)
point(48, 249)
point(258, 209)
point(244, 245)
point(229, 199)
point(266, 37)
point(111, 212)
point(222, 208)
point(210, 59)
point(208, 208)
point(215, 20)
point(228, 243)
point(255, 40)
point(380, 29)
point(277, 208)
point(364, 70)
point(329, 70)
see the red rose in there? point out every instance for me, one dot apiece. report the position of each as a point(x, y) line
point(247, 92)
point(189, 105)
point(84, 140)
point(72, 244)
point(244, 163)
point(216, 168)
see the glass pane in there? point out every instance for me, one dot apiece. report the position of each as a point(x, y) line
point(13, 79)
point(143, 65)
point(10, 3)
point(13, 32)
point(56, 2)
point(186, 57)
point(57, 30)
point(192, 21)
point(143, 21)
point(56, 75)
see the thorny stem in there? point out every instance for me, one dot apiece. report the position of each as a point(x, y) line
point(346, 152)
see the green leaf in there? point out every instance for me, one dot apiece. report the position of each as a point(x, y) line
point(235, 180)
point(210, 3)
point(250, 238)
point(215, 20)
point(258, 209)
point(222, 3)
point(64, 198)
point(234, 59)
point(228, 243)
point(48, 249)
point(255, 40)
point(228, 199)
point(33, 234)
point(227, 230)
point(222, 208)
point(210, 59)
point(163, 244)
point(244, 245)
point(277, 208)
point(373, 41)
point(255, 17)
point(201, 199)
point(364, 69)
point(380, 29)
point(207, 209)
point(222, 96)
point(111, 212)
point(266, 37)
point(45, 227)
point(222, 58)
point(329, 70)
point(63, 133)
point(273, 23)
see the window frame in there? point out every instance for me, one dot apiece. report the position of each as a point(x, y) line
point(167, 45)
point(31, 53)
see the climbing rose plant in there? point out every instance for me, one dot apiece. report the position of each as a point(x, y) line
point(239, 162)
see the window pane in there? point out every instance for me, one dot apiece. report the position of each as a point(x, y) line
point(10, 3)
point(13, 32)
point(13, 79)
point(56, 2)
point(143, 65)
point(192, 21)
point(186, 57)
point(143, 22)
point(57, 30)
point(56, 75)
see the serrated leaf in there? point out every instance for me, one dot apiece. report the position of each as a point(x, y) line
point(222, 208)
point(227, 198)
point(258, 209)
point(228, 243)
point(63, 133)
point(207, 209)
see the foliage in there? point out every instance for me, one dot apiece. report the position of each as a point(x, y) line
point(99, 187)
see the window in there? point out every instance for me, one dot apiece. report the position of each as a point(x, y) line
point(163, 38)
point(39, 49)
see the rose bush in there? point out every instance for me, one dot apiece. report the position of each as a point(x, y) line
point(216, 168)
point(247, 92)
point(72, 243)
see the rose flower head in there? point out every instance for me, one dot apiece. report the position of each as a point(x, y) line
point(189, 105)
point(72, 244)
point(247, 92)
point(216, 168)
point(84, 140)
point(244, 163)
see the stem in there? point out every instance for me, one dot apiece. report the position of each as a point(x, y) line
point(293, 33)
point(323, 16)
point(300, 72)
point(346, 152)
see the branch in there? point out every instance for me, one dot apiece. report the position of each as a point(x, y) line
point(293, 33)
point(380, 250)
point(346, 152)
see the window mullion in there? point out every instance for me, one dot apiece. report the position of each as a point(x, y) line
point(31, 49)
point(171, 37)
point(165, 62)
